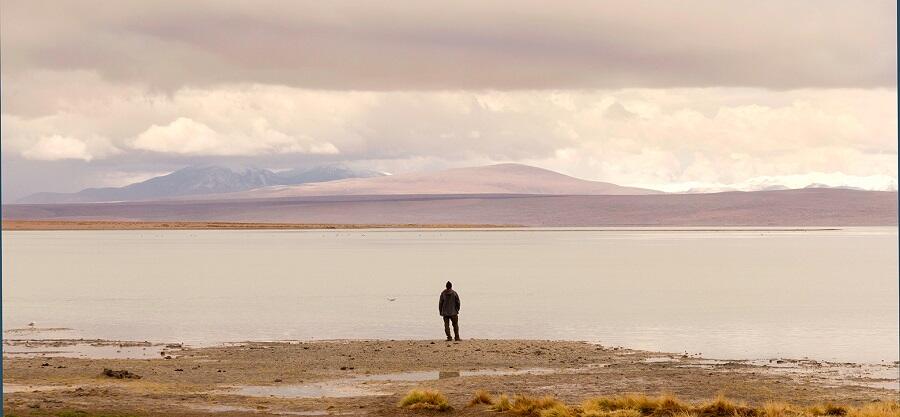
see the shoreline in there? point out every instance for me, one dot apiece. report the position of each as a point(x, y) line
point(74, 225)
point(17, 337)
point(61, 225)
point(368, 377)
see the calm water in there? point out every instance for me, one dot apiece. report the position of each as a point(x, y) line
point(727, 294)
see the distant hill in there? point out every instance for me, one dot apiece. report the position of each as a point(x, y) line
point(496, 194)
point(789, 208)
point(323, 174)
point(200, 180)
point(491, 179)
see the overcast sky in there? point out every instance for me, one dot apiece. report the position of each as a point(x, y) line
point(667, 95)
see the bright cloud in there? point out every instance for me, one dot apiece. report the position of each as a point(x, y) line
point(186, 136)
point(670, 138)
point(52, 148)
point(183, 136)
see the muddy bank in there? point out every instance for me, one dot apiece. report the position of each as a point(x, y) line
point(369, 377)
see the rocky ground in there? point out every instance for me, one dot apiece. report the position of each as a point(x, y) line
point(370, 377)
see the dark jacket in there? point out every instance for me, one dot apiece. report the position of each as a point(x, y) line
point(448, 305)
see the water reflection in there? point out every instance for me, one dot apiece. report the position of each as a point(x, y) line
point(361, 386)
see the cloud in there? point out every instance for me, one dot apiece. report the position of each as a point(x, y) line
point(183, 136)
point(658, 138)
point(42, 139)
point(810, 179)
point(701, 93)
point(188, 137)
point(56, 147)
point(411, 45)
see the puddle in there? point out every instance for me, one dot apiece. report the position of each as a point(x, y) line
point(12, 388)
point(417, 376)
point(70, 343)
point(314, 390)
point(37, 331)
point(366, 385)
point(659, 359)
point(87, 349)
point(224, 408)
point(697, 365)
point(702, 363)
point(866, 375)
point(220, 408)
point(870, 375)
point(590, 366)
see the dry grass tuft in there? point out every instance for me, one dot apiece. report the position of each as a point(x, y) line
point(878, 409)
point(778, 409)
point(529, 406)
point(633, 406)
point(481, 397)
point(835, 410)
point(669, 406)
point(502, 404)
point(723, 407)
point(425, 400)
point(557, 410)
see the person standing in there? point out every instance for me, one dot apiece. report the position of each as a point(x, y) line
point(448, 307)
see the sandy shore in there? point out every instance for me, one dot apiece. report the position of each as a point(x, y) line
point(176, 225)
point(369, 377)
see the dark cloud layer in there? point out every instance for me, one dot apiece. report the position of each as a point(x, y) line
point(410, 45)
point(674, 95)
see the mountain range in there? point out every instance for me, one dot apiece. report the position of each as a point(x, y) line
point(490, 179)
point(505, 194)
point(201, 180)
point(217, 182)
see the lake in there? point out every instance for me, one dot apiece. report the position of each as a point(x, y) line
point(732, 294)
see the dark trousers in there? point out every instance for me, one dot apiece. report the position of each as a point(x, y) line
point(455, 320)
